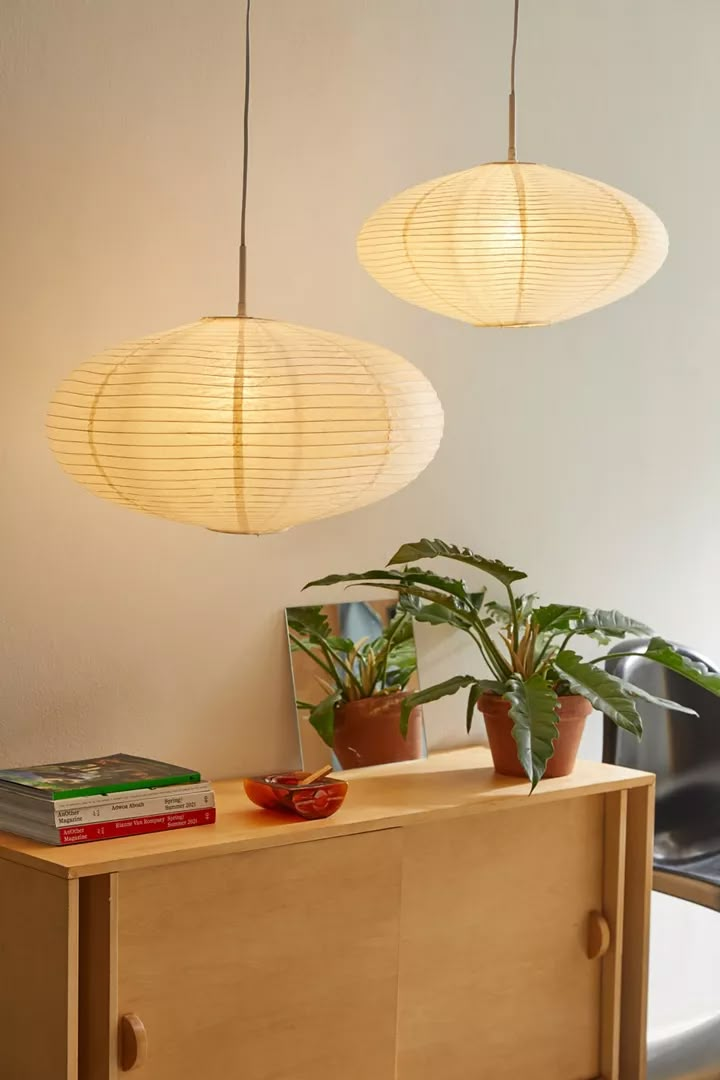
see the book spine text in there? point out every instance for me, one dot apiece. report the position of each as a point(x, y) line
point(78, 834)
point(117, 810)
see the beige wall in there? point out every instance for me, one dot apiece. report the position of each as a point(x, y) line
point(587, 453)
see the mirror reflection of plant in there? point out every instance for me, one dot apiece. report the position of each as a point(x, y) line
point(525, 646)
point(352, 669)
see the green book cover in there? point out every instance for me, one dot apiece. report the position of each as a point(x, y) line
point(95, 776)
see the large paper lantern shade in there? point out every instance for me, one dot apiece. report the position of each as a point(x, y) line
point(512, 244)
point(245, 425)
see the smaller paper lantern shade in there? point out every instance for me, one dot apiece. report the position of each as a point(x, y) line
point(245, 425)
point(512, 244)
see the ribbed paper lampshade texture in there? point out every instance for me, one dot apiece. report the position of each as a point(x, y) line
point(245, 425)
point(512, 244)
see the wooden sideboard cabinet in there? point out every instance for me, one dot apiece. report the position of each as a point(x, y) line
point(443, 923)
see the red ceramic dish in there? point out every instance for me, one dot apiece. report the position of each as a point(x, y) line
point(280, 791)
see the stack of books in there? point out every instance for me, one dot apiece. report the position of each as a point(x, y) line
point(72, 802)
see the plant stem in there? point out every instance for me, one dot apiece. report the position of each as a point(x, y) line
point(332, 657)
point(345, 666)
point(514, 618)
point(543, 651)
point(495, 659)
point(382, 669)
point(616, 656)
point(529, 658)
point(314, 656)
point(494, 667)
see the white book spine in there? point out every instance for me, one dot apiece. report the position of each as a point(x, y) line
point(136, 793)
point(165, 802)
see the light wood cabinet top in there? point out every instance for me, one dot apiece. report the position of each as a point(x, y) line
point(446, 785)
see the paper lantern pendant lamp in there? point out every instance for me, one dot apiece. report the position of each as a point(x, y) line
point(245, 425)
point(512, 243)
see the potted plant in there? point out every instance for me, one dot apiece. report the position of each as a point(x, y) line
point(365, 686)
point(540, 690)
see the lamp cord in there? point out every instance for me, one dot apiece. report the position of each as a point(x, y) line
point(242, 285)
point(512, 150)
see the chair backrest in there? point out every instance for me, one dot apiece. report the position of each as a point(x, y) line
point(682, 750)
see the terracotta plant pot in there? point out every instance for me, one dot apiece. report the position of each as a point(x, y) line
point(367, 732)
point(573, 711)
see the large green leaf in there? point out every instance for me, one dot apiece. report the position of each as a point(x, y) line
point(472, 701)
point(456, 602)
point(411, 575)
point(439, 615)
point(602, 690)
point(397, 678)
point(443, 614)
point(399, 629)
point(359, 578)
point(502, 615)
point(613, 623)
point(662, 652)
point(535, 723)
point(408, 604)
point(556, 618)
point(498, 614)
point(433, 549)
point(643, 695)
point(312, 623)
point(476, 690)
point(525, 604)
point(309, 620)
point(432, 693)
point(463, 617)
point(322, 717)
point(340, 644)
point(403, 655)
point(428, 580)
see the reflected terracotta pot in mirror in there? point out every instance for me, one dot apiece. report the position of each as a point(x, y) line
point(367, 732)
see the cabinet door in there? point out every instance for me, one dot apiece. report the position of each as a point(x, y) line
point(38, 974)
point(495, 980)
point(279, 964)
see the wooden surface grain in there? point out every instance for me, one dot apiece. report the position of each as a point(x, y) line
point(495, 981)
point(280, 963)
point(614, 857)
point(38, 975)
point(636, 937)
point(445, 785)
point(97, 982)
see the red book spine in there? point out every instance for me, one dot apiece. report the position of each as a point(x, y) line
point(107, 830)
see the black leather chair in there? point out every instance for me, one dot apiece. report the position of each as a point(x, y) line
point(684, 753)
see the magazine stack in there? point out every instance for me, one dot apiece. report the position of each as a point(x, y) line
point(73, 802)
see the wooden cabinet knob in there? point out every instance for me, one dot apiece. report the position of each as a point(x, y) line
point(133, 1042)
point(598, 935)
